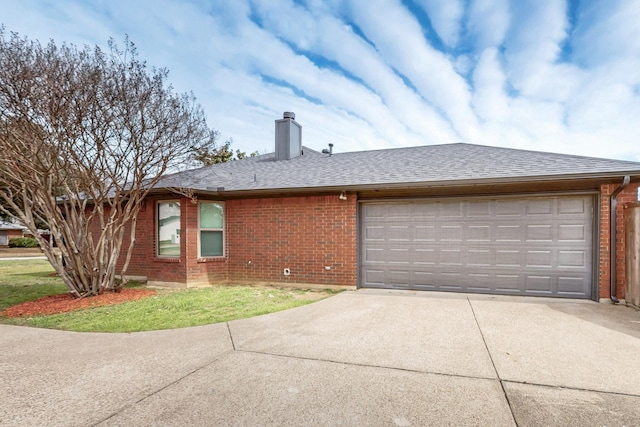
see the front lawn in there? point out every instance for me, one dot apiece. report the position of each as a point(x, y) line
point(28, 280)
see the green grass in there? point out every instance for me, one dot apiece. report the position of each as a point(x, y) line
point(27, 280)
point(168, 309)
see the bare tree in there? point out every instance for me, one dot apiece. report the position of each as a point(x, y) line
point(84, 135)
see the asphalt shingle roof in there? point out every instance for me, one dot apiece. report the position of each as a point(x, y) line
point(430, 164)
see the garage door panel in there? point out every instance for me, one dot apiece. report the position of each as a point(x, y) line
point(422, 256)
point(375, 277)
point(538, 259)
point(507, 208)
point(398, 277)
point(451, 233)
point(539, 233)
point(479, 209)
point(398, 256)
point(572, 259)
point(479, 233)
point(508, 283)
point(374, 232)
point(375, 255)
point(527, 246)
point(424, 233)
point(572, 285)
point(540, 207)
point(480, 258)
point(572, 233)
point(569, 206)
point(450, 210)
point(508, 233)
point(538, 284)
point(508, 258)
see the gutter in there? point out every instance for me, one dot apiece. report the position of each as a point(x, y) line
point(612, 237)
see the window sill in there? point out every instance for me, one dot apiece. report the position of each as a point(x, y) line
point(167, 259)
point(212, 259)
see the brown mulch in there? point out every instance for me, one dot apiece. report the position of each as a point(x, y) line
point(63, 303)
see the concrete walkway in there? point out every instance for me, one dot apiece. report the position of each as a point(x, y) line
point(359, 358)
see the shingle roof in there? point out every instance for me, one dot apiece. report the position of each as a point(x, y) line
point(11, 226)
point(449, 163)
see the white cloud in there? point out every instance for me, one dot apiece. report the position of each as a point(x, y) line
point(488, 22)
point(533, 45)
point(607, 32)
point(429, 70)
point(508, 82)
point(445, 18)
point(489, 99)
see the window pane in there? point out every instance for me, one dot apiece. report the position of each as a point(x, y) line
point(211, 215)
point(169, 229)
point(210, 243)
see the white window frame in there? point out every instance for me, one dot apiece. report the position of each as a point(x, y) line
point(222, 229)
point(157, 231)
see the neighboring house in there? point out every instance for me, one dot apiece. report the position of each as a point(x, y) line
point(9, 230)
point(454, 217)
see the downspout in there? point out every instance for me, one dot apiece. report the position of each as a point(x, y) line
point(613, 243)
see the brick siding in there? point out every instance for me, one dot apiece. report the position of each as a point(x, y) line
point(303, 234)
point(262, 238)
point(628, 195)
point(306, 235)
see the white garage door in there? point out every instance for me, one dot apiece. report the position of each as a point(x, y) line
point(4, 239)
point(516, 246)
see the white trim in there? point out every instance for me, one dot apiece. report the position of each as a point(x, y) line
point(222, 229)
point(157, 228)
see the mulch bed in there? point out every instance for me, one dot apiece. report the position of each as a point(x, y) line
point(63, 303)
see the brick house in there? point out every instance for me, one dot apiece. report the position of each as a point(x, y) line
point(9, 230)
point(454, 217)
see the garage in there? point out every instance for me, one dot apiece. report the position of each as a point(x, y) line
point(536, 246)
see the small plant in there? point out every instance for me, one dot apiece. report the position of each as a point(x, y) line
point(23, 242)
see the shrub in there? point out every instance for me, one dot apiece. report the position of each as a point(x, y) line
point(23, 242)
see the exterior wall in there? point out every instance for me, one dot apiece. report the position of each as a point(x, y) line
point(262, 238)
point(628, 195)
point(303, 234)
point(12, 234)
point(199, 271)
point(186, 269)
point(144, 261)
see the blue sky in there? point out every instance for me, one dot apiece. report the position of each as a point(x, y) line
point(559, 76)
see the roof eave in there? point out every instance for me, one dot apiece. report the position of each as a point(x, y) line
point(605, 176)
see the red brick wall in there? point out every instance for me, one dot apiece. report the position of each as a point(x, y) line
point(144, 261)
point(262, 238)
point(199, 270)
point(14, 234)
point(304, 234)
point(628, 195)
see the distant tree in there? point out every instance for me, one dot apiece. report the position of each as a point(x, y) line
point(84, 135)
point(214, 153)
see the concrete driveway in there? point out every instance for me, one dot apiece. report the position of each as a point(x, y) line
point(359, 358)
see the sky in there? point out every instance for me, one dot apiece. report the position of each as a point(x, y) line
point(552, 75)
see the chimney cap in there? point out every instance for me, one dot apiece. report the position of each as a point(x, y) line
point(289, 115)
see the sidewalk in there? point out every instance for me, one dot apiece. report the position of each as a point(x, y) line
point(12, 254)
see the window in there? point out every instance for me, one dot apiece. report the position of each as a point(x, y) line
point(169, 229)
point(211, 229)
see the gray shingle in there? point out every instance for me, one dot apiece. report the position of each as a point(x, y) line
point(427, 164)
